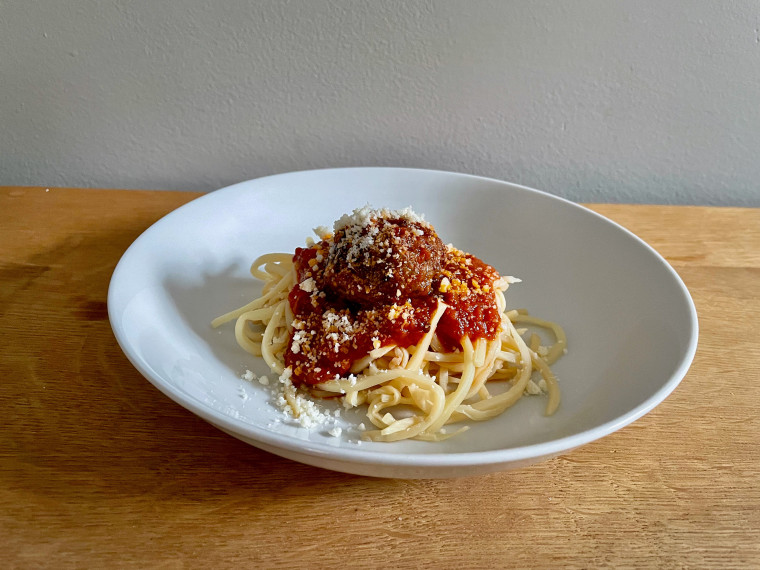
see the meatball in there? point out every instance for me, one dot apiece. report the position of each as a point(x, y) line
point(383, 260)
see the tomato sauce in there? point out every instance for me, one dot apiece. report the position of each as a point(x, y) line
point(331, 332)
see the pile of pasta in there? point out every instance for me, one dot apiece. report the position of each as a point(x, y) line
point(411, 392)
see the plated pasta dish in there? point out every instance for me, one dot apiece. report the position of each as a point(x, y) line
point(381, 314)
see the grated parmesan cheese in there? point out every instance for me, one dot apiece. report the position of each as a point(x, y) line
point(308, 285)
point(294, 404)
point(297, 406)
point(532, 388)
point(363, 217)
point(322, 232)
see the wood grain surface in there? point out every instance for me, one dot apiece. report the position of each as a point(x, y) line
point(98, 469)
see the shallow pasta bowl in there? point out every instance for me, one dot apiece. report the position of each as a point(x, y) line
point(630, 322)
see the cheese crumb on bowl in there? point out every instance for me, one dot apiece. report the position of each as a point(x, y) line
point(295, 406)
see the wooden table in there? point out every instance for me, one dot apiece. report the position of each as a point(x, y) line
point(98, 469)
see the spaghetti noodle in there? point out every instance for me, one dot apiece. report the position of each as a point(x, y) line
point(381, 314)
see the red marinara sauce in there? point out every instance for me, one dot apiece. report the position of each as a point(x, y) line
point(331, 332)
point(471, 299)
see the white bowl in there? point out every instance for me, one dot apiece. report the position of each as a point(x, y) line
point(631, 324)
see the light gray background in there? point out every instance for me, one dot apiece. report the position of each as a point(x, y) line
point(631, 101)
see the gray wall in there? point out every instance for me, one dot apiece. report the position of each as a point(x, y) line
point(636, 101)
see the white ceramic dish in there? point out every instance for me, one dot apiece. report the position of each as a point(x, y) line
point(631, 324)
